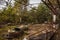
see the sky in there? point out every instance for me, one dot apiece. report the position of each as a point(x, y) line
point(3, 4)
point(34, 1)
point(31, 2)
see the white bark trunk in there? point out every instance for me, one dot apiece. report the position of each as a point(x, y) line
point(25, 38)
point(54, 20)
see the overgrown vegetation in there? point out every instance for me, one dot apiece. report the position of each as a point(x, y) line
point(18, 14)
point(35, 15)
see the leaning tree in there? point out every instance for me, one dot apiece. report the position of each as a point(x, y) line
point(54, 6)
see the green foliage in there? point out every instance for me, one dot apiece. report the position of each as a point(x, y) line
point(35, 15)
point(8, 15)
point(43, 13)
point(40, 14)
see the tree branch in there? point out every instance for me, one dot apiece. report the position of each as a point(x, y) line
point(50, 7)
point(58, 3)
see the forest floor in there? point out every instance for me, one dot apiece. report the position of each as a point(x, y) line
point(37, 29)
point(34, 29)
